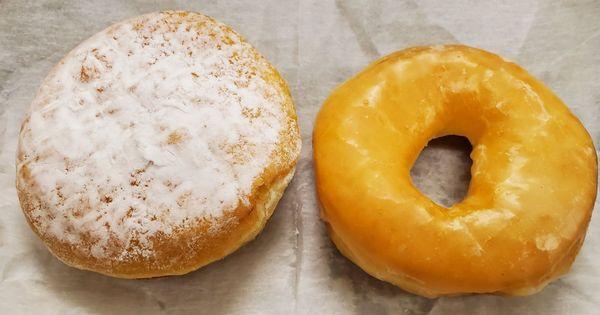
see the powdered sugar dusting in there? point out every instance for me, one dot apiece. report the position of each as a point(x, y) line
point(154, 123)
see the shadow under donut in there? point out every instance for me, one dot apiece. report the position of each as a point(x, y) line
point(233, 282)
point(442, 173)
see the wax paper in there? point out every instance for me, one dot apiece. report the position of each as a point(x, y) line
point(292, 267)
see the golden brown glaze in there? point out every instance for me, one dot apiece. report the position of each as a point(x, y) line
point(533, 185)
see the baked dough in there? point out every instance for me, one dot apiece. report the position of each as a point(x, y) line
point(533, 185)
point(155, 147)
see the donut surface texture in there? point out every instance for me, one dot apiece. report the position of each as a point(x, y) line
point(533, 185)
point(155, 147)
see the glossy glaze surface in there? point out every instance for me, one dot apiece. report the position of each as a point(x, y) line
point(533, 183)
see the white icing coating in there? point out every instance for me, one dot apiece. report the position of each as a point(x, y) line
point(154, 123)
point(511, 188)
point(489, 216)
point(546, 242)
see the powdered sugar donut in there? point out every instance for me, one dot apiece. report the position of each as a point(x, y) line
point(155, 147)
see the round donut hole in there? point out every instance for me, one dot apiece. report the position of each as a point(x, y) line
point(442, 171)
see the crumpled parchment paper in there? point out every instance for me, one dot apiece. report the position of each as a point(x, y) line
point(292, 267)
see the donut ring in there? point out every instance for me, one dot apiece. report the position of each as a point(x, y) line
point(155, 147)
point(533, 185)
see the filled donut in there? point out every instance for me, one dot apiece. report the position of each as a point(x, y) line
point(533, 185)
point(155, 147)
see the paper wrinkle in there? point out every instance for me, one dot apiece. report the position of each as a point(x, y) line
point(355, 22)
point(292, 267)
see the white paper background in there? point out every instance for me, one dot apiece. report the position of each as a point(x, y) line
point(292, 267)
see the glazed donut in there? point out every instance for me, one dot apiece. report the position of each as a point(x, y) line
point(155, 147)
point(533, 185)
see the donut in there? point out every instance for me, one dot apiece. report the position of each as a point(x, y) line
point(155, 147)
point(533, 186)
